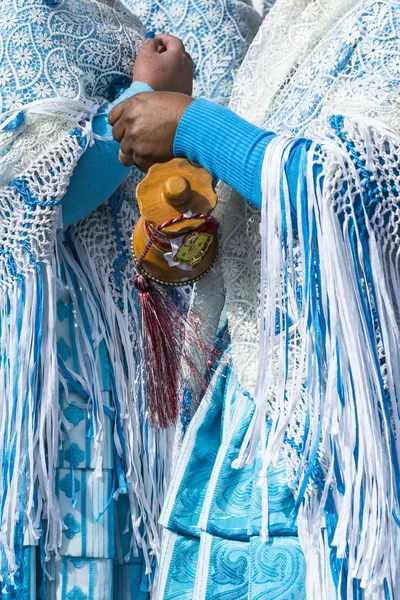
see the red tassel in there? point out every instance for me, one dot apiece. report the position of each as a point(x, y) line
point(165, 327)
point(161, 347)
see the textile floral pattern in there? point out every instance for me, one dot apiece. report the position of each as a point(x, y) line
point(72, 48)
point(216, 33)
point(66, 49)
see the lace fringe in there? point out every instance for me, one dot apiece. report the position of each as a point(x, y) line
point(29, 419)
point(350, 293)
point(29, 376)
point(145, 453)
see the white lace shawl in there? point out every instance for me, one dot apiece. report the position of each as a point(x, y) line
point(67, 77)
point(36, 163)
point(310, 60)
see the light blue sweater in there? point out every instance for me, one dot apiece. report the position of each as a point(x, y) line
point(233, 149)
point(98, 173)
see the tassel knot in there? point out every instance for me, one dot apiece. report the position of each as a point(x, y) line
point(141, 283)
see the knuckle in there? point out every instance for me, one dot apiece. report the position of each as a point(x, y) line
point(132, 101)
point(130, 136)
point(130, 120)
point(115, 135)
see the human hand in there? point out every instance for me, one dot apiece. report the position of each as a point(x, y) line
point(145, 126)
point(164, 65)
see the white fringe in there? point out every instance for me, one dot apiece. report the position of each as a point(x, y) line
point(29, 415)
point(147, 452)
point(360, 427)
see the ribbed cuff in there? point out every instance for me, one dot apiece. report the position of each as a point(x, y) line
point(100, 122)
point(136, 87)
point(229, 147)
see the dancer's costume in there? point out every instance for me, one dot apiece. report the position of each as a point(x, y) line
point(287, 483)
point(82, 475)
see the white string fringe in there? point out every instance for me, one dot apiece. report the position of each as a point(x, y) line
point(339, 364)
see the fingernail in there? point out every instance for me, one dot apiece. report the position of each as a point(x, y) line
point(150, 35)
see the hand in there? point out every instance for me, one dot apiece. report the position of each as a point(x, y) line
point(164, 65)
point(145, 126)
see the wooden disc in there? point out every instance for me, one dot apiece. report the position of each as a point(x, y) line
point(172, 189)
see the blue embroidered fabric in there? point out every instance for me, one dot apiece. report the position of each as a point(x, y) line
point(61, 48)
point(228, 498)
point(66, 49)
point(213, 515)
point(213, 34)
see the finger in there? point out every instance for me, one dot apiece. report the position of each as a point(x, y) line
point(118, 130)
point(116, 112)
point(150, 46)
point(125, 159)
point(171, 43)
point(126, 147)
point(142, 165)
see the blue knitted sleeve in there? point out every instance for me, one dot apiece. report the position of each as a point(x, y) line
point(232, 149)
point(98, 173)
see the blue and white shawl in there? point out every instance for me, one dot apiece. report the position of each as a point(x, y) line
point(329, 381)
point(59, 61)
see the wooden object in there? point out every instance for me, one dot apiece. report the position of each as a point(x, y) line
point(168, 191)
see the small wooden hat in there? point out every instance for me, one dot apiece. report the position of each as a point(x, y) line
point(168, 191)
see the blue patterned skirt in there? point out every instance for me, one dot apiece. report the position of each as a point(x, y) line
point(212, 518)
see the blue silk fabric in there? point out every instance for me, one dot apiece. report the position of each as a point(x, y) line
point(212, 547)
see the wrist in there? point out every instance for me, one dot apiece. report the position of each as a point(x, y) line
point(187, 101)
point(140, 85)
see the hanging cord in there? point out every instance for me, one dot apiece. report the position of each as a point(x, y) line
point(162, 328)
